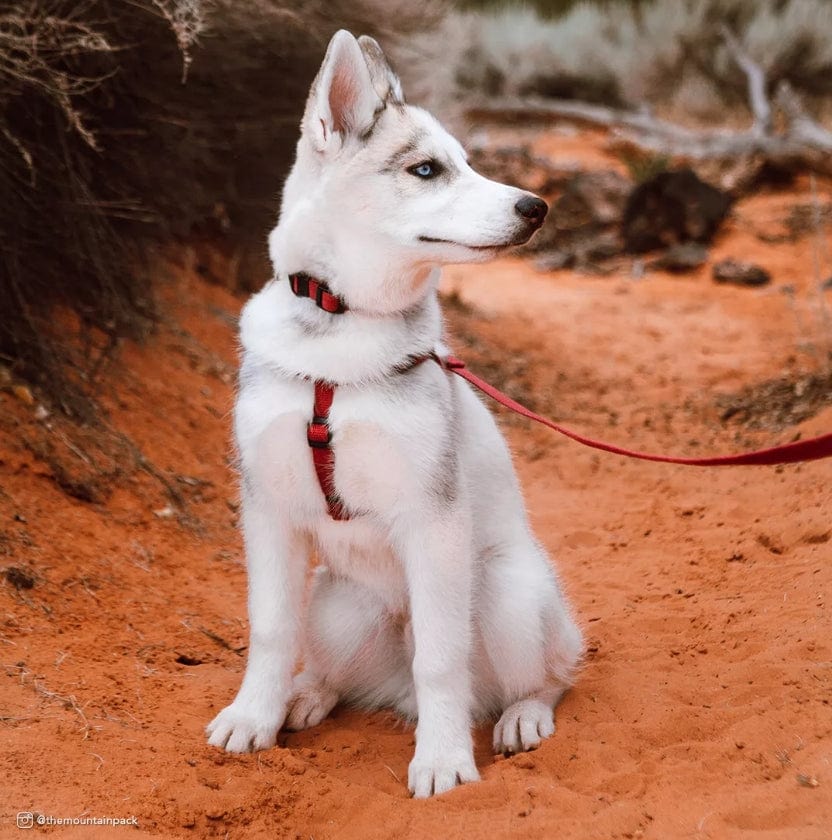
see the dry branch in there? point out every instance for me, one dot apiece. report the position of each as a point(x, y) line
point(803, 144)
point(756, 77)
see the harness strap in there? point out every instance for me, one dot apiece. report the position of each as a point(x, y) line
point(319, 437)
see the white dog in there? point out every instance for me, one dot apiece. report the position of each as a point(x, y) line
point(432, 595)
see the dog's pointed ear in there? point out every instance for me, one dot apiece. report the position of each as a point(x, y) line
point(387, 84)
point(343, 99)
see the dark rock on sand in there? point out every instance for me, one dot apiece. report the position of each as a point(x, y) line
point(740, 273)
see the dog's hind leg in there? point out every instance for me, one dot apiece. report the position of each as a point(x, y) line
point(531, 641)
point(312, 700)
point(355, 653)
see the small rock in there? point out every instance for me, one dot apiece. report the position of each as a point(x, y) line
point(164, 513)
point(41, 412)
point(604, 246)
point(671, 207)
point(681, 258)
point(740, 274)
point(19, 578)
point(554, 260)
point(807, 781)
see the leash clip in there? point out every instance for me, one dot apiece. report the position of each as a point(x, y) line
point(451, 363)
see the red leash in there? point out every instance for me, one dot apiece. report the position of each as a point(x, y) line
point(319, 435)
point(788, 453)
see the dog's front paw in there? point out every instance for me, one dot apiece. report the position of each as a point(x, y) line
point(240, 728)
point(523, 726)
point(428, 778)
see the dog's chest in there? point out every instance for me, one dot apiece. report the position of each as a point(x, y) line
point(389, 447)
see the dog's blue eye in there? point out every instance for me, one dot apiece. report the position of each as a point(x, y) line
point(426, 169)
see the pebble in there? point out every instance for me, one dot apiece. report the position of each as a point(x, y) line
point(681, 258)
point(740, 273)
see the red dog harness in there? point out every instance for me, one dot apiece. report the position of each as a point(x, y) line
point(319, 435)
point(319, 438)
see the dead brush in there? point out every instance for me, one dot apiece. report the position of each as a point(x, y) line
point(128, 126)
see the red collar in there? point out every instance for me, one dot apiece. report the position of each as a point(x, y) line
point(302, 285)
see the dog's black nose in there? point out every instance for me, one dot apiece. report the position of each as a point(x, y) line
point(532, 208)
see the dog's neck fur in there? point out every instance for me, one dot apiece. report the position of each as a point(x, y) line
point(394, 316)
point(292, 335)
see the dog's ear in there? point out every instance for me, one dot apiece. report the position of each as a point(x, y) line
point(387, 84)
point(343, 99)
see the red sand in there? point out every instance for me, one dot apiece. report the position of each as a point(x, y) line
point(703, 710)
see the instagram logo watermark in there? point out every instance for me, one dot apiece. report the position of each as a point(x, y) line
point(25, 819)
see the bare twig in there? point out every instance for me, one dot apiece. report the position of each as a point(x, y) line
point(819, 250)
point(187, 20)
point(802, 128)
point(68, 701)
point(392, 773)
point(537, 108)
point(223, 643)
point(34, 50)
point(756, 76)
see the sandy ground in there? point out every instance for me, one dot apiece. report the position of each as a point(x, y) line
point(703, 710)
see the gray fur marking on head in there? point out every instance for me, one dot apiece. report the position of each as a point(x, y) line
point(385, 81)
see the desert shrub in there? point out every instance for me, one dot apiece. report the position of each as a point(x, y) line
point(659, 52)
point(128, 123)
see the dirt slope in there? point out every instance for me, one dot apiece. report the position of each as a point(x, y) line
point(703, 711)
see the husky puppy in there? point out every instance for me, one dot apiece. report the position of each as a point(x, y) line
point(433, 598)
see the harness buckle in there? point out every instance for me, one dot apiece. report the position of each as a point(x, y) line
point(318, 433)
